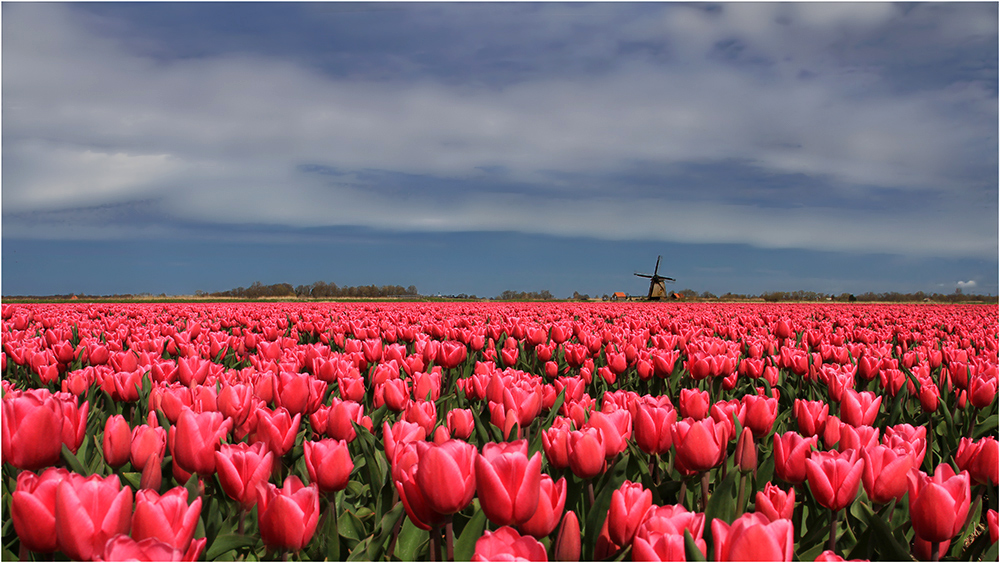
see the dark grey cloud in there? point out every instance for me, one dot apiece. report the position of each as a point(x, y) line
point(838, 127)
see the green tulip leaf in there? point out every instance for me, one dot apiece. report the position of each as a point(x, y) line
point(465, 544)
point(691, 549)
point(228, 542)
point(73, 462)
point(411, 542)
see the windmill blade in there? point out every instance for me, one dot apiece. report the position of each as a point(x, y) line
point(671, 280)
point(656, 270)
point(643, 275)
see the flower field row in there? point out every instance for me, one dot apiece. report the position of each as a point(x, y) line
point(405, 431)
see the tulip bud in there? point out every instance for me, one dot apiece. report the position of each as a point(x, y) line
point(991, 523)
point(568, 540)
point(746, 452)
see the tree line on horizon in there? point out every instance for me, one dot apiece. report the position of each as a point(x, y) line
point(324, 290)
point(317, 290)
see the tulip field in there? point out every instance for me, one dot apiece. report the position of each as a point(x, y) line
point(487, 431)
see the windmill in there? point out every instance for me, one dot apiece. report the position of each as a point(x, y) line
point(657, 283)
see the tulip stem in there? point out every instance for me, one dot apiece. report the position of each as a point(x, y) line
point(449, 539)
point(935, 551)
point(682, 495)
point(435, 543)
point(243, 517)
point(972, 421)
point(395, 536)
point(704, 490)
point(590, 492)
point(23, 553)
point(831, 544)
point(741, 498)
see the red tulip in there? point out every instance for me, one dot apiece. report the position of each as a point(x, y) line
point(508, 483)
point(236, 402)
point(329, 464)
point(555, 443)
point(89, 511)
point(811, 416)
point(74, 426)
point(694, 404)
point(929, 395)
point(395, 393)
point(445, 474)
point(939, 503)
point(195, 439)
point(660, 537)
point(451, 354)
point(775, 503)
point(506, 544)
point(652, 428)
point(460, 423)
point(616, 428)
point(167, 518)
point(760, 414)
point(124, 548)
point(729, 412)
point(241, 467)
point(551, 502)
point(753, 538)
point(979, 458)
point(423, 413)
point(523, 398)
point(859, 409)
point(145, 441)
point(341, 415)
point(834, 477)
point(586, 451)
point(790, 451)
point(30, 421)
point(858, 438)
point(629, 504)
point(907, 437)
point(982, 390)
point(884, 474)
point(700, 444)
point(404, 467)
point(427, 386)
point(287, 516)
point(117, 441)
point(399, 434)
point(33, 508)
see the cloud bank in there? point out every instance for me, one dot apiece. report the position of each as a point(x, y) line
point(831, 140)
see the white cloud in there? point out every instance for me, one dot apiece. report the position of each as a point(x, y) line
point(966, 284)
point(219, 139)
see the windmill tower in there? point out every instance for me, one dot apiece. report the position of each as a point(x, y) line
point(657, 283)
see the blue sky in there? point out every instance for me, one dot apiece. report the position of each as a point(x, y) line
point(476, 147)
